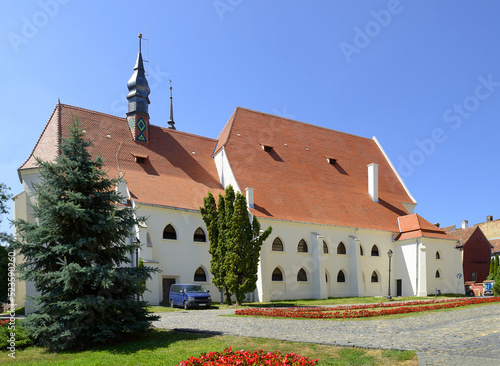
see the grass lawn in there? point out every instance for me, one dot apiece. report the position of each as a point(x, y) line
point(162, 347)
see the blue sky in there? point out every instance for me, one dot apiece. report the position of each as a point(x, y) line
point(422, 77)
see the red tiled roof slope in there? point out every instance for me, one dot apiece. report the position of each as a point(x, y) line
point(179, 170)
point(415, 226)
point(495, 243)
point(295, 181)
point(464, 235)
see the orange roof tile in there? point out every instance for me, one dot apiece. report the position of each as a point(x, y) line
point(495, 243)
point(295, 182)
point(178, 172)
point(415, 226)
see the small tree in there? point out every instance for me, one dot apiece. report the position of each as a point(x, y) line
point(496, 285)
point(235, 243)
point(496, 269)
point(492, 269)
point(4, 273)
point(74, 253)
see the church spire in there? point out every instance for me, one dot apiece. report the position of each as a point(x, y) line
point(171, 122)
point(138, 100)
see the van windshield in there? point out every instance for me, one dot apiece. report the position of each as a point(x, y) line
point(195, 288)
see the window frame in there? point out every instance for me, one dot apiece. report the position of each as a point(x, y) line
point(273, 279)
point(169, 232)
point(302, 244)
point(204, 274)
point(280, 243)
point(302, 278)
point(199, 235)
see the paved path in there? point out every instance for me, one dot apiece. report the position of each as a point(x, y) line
point(460, 337)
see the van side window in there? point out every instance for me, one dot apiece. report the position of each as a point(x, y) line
point(174, 288)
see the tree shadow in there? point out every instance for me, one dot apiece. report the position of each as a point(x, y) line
point(150, 340)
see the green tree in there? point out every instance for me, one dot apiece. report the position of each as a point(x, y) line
point(75, 252)
point(497, 266)
point(4, 261)
point(496, 285)
point(491, 274)
point(235, 243)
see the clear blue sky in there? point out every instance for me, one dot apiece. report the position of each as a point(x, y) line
point(423, 77)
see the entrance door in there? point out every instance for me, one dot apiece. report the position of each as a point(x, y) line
point(167, 282)
point(399, 287)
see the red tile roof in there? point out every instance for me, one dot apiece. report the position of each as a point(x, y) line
point(463, 235)
point(179, 170)
point(415, 226)
point(295, 182)
point(495, 243)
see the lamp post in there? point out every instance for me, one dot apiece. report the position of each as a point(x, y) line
point(389, 254)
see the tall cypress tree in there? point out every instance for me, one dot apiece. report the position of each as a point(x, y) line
point(491, 274)
point(235, 243)
point(76, 252)
point(496, 268)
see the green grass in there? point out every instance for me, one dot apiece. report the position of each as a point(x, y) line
point(169, 348)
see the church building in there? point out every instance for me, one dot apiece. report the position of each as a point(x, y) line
point(343, 220)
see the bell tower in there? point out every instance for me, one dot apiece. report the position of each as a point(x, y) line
point(138, 101)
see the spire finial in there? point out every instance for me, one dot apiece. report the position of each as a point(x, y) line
point(171, 119)
point(140, 39)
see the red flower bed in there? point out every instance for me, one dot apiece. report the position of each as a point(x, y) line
point(360, 311)
point(245, 358)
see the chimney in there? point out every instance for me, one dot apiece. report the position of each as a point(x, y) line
point(465, 224)
point(489, 218)
point(437, 224)
point(249, 192)
point(373, 181)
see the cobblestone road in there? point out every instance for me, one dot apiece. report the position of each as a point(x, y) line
point(459, 337)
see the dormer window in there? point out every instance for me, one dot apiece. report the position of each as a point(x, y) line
point(330, 160)
point(266, 147)
point(140, 159)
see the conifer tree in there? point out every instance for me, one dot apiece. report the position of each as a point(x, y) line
point(496, 268)
point(4, 273)
point(77, 253)
point(496, 285)
point(491, 274)
point(235, 243)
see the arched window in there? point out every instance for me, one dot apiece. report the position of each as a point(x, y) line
point(341, 276)
point(341, 248)
point(200, 275)
point(199, 235)
point(277, 245)
point(325, 247)
point(326, 276)
point(302, 247)
point(301, 275)
point(277, 275)
point(374, 276)
point(375, 252)
point(361, 251)
point(438, 256)
point(169, 232)
point(438, 275)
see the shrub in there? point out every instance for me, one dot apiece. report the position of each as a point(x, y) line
point(21, 337)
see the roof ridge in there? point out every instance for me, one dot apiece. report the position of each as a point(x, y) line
point(184, 133)
point(40, 137)
point(230, 123)
point(303, 123)
point(90, 110)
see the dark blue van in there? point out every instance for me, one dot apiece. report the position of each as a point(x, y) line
point(190, 296)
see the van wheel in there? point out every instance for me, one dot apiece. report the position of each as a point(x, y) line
point(186, 307)
point(171, 303)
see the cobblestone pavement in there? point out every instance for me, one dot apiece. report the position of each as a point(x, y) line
point(460, 337)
